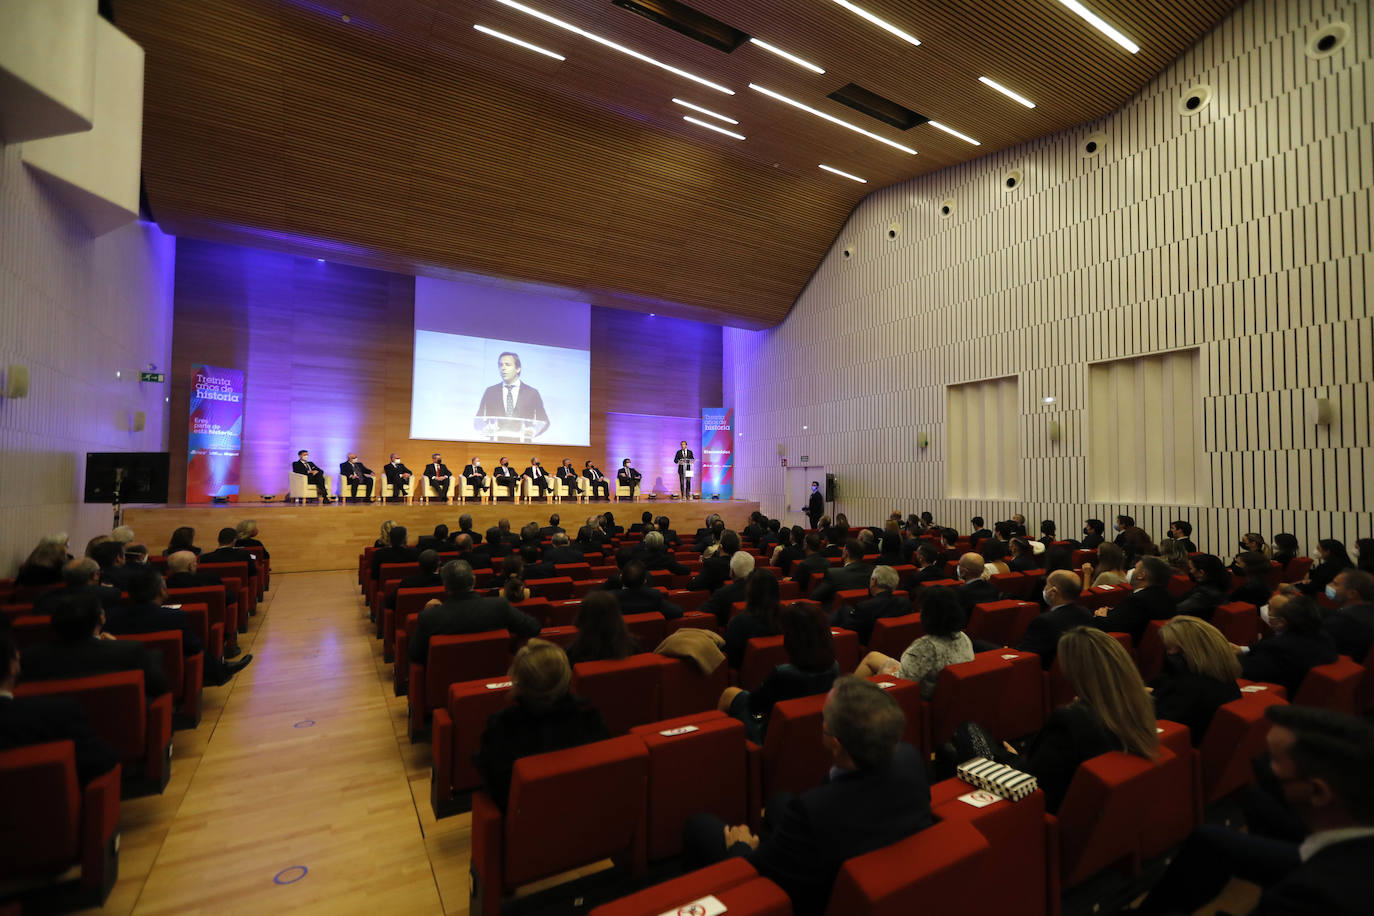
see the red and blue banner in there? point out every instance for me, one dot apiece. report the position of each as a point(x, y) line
point(717, 452)
point(215, 434)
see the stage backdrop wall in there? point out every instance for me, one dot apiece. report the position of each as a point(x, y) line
point(326, 351)
point(1239, 233)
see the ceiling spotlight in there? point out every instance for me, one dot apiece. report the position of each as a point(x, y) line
point(953, 133)
point(1097, 22)
point(880, 23)
point(592, 36)
point(515, 41)
point(1048, 399)
point(831, 118)
point(1006, 92)
point(705, 111)
point(710, 126)
point(844, 174)
point(783, 54)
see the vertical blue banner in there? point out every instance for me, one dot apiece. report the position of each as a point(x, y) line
point(717, 452)
point(215, 435)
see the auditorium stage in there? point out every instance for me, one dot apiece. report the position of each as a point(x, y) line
point(314, 537)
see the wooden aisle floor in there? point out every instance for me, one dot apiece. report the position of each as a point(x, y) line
point(301, 762)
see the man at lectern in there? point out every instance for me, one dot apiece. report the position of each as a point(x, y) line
point(476, 475)
point(539, 478)
point(628, 477)
point(312, 472)
point(356, 474)
point(440, 478)
point(685, 461)
point(511, 411)
point(596, 481)
point(398, 475)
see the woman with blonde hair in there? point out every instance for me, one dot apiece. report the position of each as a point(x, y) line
point(543, 716)
point(1199, 675)
point(1110, 568)
point(385, 539)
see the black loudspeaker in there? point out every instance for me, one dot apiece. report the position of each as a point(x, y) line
point(830, 488)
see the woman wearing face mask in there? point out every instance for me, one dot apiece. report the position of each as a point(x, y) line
point(1298, 645)
point(1334, 560)
point(1211, 582)
point(1199, 675)
point(1254, 586)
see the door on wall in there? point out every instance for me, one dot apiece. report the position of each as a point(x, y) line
point(799, 492)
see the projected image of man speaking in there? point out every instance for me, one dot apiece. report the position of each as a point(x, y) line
point(511, 411)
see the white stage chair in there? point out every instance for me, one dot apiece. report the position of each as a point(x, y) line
point(300, 489)
point(561, 491)
point(466, 490)
point(428, 492)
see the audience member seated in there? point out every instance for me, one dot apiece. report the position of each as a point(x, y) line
point(761, 617)
point(82, 649)
point(810, 669)
point(994, 553)
point(477, 556)
point(812, 564)
point(929, 568)
point(145, 614)
point(945, 643)
point(1047, 533)
point(25, 721)
point(1173, 552)
point(183, 571)
point(397, 552)
point(511, 580)
point(534, 567)
point(1364, 555)
point(136, 555)
point(785, 551)
point(1058, 557)
point(665, 528)
point(1181, 531)
point(1023, 558)
point(114, 564)
point(978, 530)
point(1286, 549)
point(1135, 543)
point(881, 602)
point(543, 716)
point(976, 588)
point(601, 631)
point(1334, 560)
point(1060, 594)
point(656, 556)
point(1093, 530)
point(465, 527)
point(1199, 674)
point(1211, 583)
point(226, 552)
point(1253, 542)
point(609, 525)
point(79, 576)
point(855, 573)
point(1150, 601)
point(427, 577)
point(1322, 760)
point(384, 540)
point(644, 525)
point(715, 569)
point(637, 595)
point(44, 563)
point(182, 539)
point(1351, 625)
point(500, 533)
point(1298, 645)
point(1254, 573)
point(562, 551)
point(875, 794)
point(436, 541)
point(721, 600)
point(247, 538)
point(834, 538)
point(465, 611)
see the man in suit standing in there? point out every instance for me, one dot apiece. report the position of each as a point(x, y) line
point(1061, 592)
point(82, 649)
point(313, 474)
point(1150, 601)
point(539, 480)
point(511, 411)
point(684, 454)
point(464, 611)
point(82, 576)
point(597, 484)
point(628, 477)
point(477, 478)
point(506, 479)
point(815, 506)
point(874, 795)
point(398, 475)
point(145, 614)
point(855, 573)
point(356, 474)
point(438, 473)
point(881, 602)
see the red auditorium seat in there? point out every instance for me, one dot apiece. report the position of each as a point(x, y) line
point(689, 599)
point(1023, 707)
point(455, 735)
point(1179, 585)
point(1014, 585)
point(931, 871)
point(452, 659)
point(846, 649)
point(1365, 697)
point(1238, 622)
point(1058, 691)
point(625, 692)
point(1108, 596)
point(684, 689)
point(51, 824)
point(32, 631)
point(1334, 687)
point(1103, 815)
point(694, 619)
point(1178, 809)
point(1002, 623)
point(967, 692)
point(559, 636)
point(1149, 655)
point(761, 655)
point(1019, 858)
point(238, 599)
point(251, 585)
point(1297, 569)
point(647, 629)
point(908, 696)
point(212, 596)
point(733, 882)
point(185, 674)
point(137, 729)
point(794, 758)
point(386, 573)
point(408, 601)
point(600, 787)
point(575, 571)
point(891, 635)
point(556, 589)
point(705, 769)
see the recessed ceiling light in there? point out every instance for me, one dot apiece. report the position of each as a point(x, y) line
point(709, 126)
point(1006, 92)
point(515, 41)
point(844, 174)
point(880, 23)
point(953, 133)
point(553, 20)
point(831, 118)
point(705, 111)
point(1048, 399)
point(783, 54)
point(1097, 22)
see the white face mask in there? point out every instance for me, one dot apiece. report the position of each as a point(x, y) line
point(1046, 596)
point(1264, 615)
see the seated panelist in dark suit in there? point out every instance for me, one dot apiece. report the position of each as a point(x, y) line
point(313, 474)
point(398, 475)
point(26, 721)
point(568, 476)
point(476, 476)
point(597, 484)
point(440, 478)
point(226, 552)
point(81, 575)
point(398, 552)
point(505, 478)
point(145, 614)
point(1150, 601)
point(355, 474)
point(511, 411)
point(855, 573)
point(874, 795)
point(1060, 594)
point(628, 477)
point(464, 611)
point(539, 478)
point(1298, 645)
point(82, 649)
point(881, 602)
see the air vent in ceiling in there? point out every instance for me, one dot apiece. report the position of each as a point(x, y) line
point(875, 106)
point(693, 23)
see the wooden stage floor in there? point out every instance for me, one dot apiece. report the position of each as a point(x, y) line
point(314, 537)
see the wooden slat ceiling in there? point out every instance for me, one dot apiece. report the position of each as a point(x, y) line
point(390, 133)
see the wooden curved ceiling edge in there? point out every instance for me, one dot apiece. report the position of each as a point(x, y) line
point(404, 139)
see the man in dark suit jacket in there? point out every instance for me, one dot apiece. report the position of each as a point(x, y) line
point(539, 478)
point(644, 525)
point(26, 721)
point(436, 542)
point(1093, 529)
point(637, 596)
point(478, 556)
point(82, 649)
point(656, 555)
point(312, 472)
point(881, 602)
point(511, 411)
point(562, 551)
point(114, 566)
point(980, 530)
point(1351, 625)
point(476, 477)
point(464, 611)
point(1321, 760)
point(1062, 589)
point(226, 552)
point(716, 569)
point(1150, 601)
point(398, 552)
point(597, 484)
point(398, 475)
point(721, 600)
point(815, 505)
point(855, 573)
point(628, 477)
point(534, 567)
point(505, 478)
point(353, 474)
point(928, 567)
point(976, 590)
point(813, 566)
point(81, 575)
point(875, 794)
point(684, 454)
point(1122, 523)
point(553, 527)
point(438, 475)
point(427, 577)
point(145, 614)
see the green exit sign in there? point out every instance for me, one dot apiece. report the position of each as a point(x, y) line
point(152, 376)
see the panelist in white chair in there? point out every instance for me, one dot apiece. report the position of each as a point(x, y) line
point(538, 477)
point(398, 475)
point(628, 477)
point(506, 477)
point(312, 474)
point(355, 474)
point(440, 478)
point(476, 477)
point(568, 476)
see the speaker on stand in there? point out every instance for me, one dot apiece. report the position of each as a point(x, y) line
point(831, 492)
